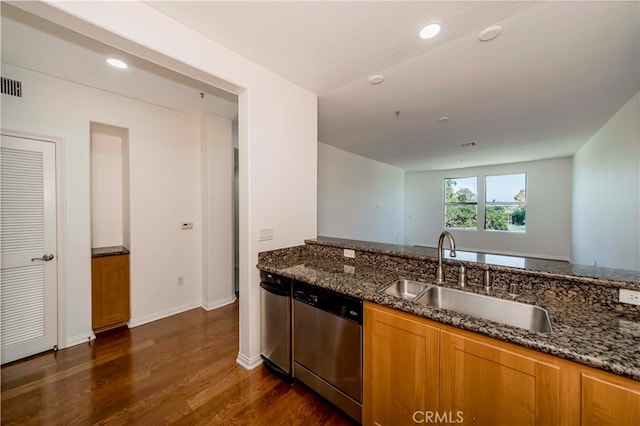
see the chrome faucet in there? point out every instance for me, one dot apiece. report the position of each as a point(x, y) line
point(462, 275)
point(452, 253)
point(487, 280)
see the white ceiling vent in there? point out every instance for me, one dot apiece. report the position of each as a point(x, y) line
point(11, 87)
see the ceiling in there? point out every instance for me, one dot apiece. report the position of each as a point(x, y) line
point(555, 75)
point(50, 49)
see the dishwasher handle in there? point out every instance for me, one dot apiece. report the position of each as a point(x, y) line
point(275, 289)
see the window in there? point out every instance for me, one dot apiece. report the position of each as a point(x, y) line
point(505, 203)
point(461, 203)
point(501, 205)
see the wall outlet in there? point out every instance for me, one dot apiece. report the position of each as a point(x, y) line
point(180, 280)
point(349, 269)
point(266, 234)
point(351, 254)
point(629, 296)
point(186, 225)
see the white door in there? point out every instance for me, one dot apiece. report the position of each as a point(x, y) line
point(28, 246)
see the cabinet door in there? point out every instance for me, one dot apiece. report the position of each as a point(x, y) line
point(608, 400)
point(486, 384)
point(400, 367)
point(110, 291)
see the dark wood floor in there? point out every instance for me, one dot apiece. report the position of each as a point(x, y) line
point(179, 370)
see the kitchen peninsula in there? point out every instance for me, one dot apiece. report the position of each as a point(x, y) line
point(568, 370)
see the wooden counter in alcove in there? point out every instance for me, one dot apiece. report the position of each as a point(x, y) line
point(109, 287)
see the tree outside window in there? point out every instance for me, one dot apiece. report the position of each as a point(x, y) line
point(505, 203)
point(461, 203)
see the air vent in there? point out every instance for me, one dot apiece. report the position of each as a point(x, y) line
point(11, 87)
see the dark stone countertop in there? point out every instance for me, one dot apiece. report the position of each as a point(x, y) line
point(588, 334)
point(555, 268)
point(109, 251)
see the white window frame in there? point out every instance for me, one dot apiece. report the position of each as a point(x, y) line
point(502, 203)
point(481, 203)
point(477, 204)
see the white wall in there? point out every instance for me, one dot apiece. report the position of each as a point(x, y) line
point(277, 130)
point(606, 199)
point(217, 211)
point(164, 156)
point(548, 224)
point(106, 190)
point(359, 198)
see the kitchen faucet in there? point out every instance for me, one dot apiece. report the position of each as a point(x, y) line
point(452, 253)
point(462, 275)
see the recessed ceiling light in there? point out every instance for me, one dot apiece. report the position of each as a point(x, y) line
point(444, 119)
point(430, 30)
point(117, 63)
point(490, 33)
point(376, 79)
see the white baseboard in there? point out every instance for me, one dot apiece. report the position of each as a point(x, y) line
point(249, 363)
point(208, 306)
point(78, 339)
point(144, 319)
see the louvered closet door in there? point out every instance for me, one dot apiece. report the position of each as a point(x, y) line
point(28, 238)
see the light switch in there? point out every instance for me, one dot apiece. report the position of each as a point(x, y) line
point(266, 234)
point(186, 225)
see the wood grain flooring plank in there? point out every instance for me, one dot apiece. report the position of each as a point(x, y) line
point(218, 404)
point(178, 370)
point(254, 409)
point(168, 396)
point(62, 374)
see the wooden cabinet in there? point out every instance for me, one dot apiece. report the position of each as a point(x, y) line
point(421, 371)
point(400, 366)
point(109, 291)
point(606, 399)
point(489, 384)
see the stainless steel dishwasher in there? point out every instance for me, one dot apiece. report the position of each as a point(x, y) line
point(275, 322)
point(328, 345)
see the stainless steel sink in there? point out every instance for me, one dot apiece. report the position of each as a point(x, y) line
point(515, 314)
point(406, 289)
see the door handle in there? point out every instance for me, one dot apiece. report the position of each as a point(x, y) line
point(45, 257)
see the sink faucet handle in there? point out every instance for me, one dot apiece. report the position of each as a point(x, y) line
point(487, 279)
point(514, 289)
point(462, 275)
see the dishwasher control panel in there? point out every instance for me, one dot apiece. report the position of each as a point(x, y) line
point(338, 304)
point(309, 299)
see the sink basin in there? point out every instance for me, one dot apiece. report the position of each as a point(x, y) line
point(405, 289)
point(515, 314)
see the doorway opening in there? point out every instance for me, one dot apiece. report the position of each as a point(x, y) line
point(155, 283)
